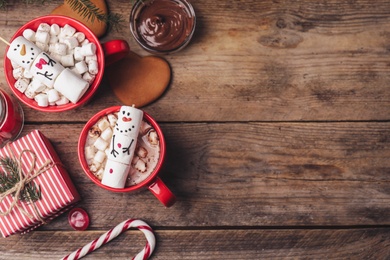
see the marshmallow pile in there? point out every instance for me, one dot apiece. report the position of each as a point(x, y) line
point(97, 149)
point(53, 65)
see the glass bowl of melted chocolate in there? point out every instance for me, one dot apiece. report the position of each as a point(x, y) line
point(162, 26)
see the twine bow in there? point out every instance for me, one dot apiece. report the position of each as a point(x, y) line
point(24, 179)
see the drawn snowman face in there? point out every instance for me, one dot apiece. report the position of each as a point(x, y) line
point(23, 52)
point(126, 121)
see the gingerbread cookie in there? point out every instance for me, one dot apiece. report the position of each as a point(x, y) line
point(97, 27)
point(139, 80)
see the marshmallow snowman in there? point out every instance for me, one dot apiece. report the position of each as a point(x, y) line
point(122, 146)
point(46, 69)
point(23, 52)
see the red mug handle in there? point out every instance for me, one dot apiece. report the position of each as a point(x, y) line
point(115, 50)
point(162, 192)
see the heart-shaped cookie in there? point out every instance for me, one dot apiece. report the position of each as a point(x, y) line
point(97, 27)
point(138, 80)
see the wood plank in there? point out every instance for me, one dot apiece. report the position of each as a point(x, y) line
point(261, 61)
point(273, 174)
point(210, 244)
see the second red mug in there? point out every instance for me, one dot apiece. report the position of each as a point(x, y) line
point(151, 181)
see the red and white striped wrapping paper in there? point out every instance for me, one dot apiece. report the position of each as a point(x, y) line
point(57, 190)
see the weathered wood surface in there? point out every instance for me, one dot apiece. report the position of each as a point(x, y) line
point(252, 174)
point(212, 244)
point(278, 135)
point(263, 61)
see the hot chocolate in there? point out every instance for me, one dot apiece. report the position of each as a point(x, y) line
point(162, 25)
point(146, 155)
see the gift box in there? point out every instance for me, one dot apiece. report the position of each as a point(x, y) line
point(57, 192)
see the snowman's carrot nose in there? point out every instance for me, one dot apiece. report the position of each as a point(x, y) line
point(23, 50)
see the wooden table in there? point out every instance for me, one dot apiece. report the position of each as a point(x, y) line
point(278, 132)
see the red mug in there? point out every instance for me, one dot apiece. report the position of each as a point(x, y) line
point(106, 53)
point(152, 182)
point(11, 118)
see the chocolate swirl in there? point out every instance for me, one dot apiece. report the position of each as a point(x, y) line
point(164, 24)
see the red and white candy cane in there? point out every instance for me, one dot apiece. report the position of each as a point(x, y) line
point(114, 232)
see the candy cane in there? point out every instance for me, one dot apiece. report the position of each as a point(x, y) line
point(114, 232)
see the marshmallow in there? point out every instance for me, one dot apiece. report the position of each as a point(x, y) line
point(44, 27)
point(42, 100)
point(29, 92)
point(88, 49)
point(95, 166)
point(71, 42)
point(77, 54)
point(81, 67)
point(42, 36)
point(60, 48)
point(56, 56)
point(68, 30)
point(21, 84)
point(129, 121)
point(115, 174)
point(42, 46)
point(46, 69)
point(62, 101)
point(140, 165)
point(17, 73)
point(79, 36)
point(23, 52)
point(86, 41)
point(100, 144)
point(29, 35)
point(36, 86)
point(112, 119)
point(71, 52)
point(106, 134)
point(93, 67)
point(89, 152)
point(53, 95)
point(141, 152)
point(70, 85)
point(99, 157)
point(27, 74)
point(153, 138)
point(14, 65)
point(67, 60)
point(121, 148)
point(99, 174)
point(53, 39)
point(90, 57)
point(103, 123)
point(55, 29)
point(88, 77)
point(74, 70)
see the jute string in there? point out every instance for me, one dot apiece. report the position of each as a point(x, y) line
point(23, 180)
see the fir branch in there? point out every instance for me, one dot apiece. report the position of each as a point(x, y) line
point(10, 177)
point(90, 11)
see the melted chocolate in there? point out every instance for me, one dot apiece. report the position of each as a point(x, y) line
point(164, 24)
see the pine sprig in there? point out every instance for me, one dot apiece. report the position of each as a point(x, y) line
point(90, 11)
point(10, 177)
